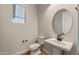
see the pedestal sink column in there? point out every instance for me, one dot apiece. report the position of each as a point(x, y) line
point(56, 51)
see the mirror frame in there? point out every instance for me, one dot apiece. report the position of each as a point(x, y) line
point(53, 20)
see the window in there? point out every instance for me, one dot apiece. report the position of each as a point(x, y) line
point(19, 14)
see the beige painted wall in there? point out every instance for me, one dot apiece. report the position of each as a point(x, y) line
point(11, 34)
point(46, 13)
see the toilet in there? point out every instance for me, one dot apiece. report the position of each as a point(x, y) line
point(36, 47)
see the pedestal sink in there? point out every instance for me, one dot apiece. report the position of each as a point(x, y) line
point(62, 45)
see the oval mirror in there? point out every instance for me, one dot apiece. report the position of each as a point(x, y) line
point(62, 22)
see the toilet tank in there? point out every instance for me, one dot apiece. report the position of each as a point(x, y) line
point(41, 39)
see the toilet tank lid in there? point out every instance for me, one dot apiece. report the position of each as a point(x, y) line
point(41, 36)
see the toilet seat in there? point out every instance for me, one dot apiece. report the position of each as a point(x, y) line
point(34, 46)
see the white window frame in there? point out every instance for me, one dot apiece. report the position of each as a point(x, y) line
point(17, 19)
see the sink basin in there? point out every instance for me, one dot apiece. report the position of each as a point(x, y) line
point(62, 45)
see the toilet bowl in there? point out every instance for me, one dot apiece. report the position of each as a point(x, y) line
point(35, 49)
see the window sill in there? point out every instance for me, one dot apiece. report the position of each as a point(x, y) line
point(20, 22)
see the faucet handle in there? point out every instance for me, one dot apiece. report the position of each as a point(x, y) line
point(58, 35)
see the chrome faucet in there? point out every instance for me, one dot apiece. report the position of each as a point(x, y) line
point(59, 38)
